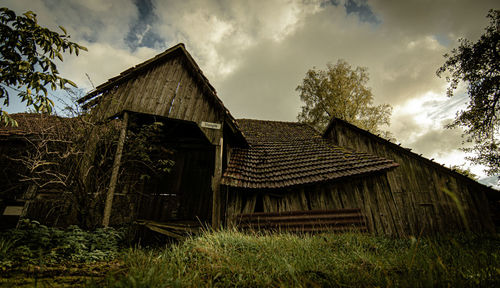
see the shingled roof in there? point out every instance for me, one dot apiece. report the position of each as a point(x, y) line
point(283, 154)
point(37, 124)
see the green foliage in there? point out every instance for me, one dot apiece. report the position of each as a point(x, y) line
point(464, 171)
point(478, 66)
point(340, 91)
point(37, 244)
point(27, 50)
point(231, 258)
point(145, 151)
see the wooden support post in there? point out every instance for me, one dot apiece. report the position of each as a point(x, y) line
point(216, 200)
point(29, 197)
point(114, 172)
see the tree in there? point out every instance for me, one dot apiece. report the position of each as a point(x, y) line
point(26, 54)
point(341, 92)
point(478, 66)
point(464, 171)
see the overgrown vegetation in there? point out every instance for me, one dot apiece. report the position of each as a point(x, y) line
point(36, 251)
point(231, 258)
point(73, 159)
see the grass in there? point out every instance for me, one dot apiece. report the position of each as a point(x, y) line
point(231, 258)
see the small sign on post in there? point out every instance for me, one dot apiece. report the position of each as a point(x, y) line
point(210, 125)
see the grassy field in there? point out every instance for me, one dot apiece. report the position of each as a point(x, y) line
point(232, 258)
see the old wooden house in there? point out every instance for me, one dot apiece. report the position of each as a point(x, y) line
point(27, 153)
point(427, 196)
point(267, 174)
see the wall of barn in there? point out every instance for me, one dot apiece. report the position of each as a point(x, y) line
point(183, 193)
point(48, 203)
point(425, 193)
point(170, 89)
point(372, 194)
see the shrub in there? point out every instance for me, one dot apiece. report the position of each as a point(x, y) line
point(33, 243)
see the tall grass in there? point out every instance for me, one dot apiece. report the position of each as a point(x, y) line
point(231, 258)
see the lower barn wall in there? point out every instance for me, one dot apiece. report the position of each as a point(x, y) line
point(387, 211)
point(427, 192)
point(371, 194)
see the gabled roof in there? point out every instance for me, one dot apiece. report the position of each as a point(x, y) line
point(37, 124)
point(95, 96)
point(405, 151)
point(283, 154)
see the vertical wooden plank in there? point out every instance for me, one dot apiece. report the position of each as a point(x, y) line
point(201, 109)
point(124, 97)
point(366, 205)
point(182, 96)
point(303, 200)
point(164, 85)
point(142, 93)
point(114, 172)
point(168, 91)
point(152, 94)
point(179, 97)
point(29, 196)
point(216, 201)
point(334, 195)
point(268, 204)
point(250, 203)
point(371, 197)
point(196, 99)
point(392, 215)
point(189, 99)
point(233, 206)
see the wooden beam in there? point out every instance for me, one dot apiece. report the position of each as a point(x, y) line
point(114, 174)
point(216, 199)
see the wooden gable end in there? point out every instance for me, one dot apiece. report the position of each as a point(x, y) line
point(420, 187)
point(168, 89)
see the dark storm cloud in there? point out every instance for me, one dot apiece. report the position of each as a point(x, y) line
point(362, 9)
point(256, 52)
point(436, 141)
point(142, 33)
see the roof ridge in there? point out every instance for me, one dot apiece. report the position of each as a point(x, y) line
point(179, 50)
point(400, 147)
point(273, 121)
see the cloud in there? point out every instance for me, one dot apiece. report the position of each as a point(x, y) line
point(436, 143)
point(449, 18)
point(103, 61)
point(256, 52)
point(219, 32)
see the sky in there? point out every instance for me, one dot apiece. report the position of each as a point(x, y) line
point(255, 53)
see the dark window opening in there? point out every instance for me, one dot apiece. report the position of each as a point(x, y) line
point(259, 204)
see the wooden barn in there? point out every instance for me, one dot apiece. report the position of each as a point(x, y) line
point(264, 174)
point(428, 196)
point(27, 154)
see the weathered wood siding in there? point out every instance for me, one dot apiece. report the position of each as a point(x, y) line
point(371, 194)
point(421, 189)
point(173, 89)
point(167, 89)
point(185, 193)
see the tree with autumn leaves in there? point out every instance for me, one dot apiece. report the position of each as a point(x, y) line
point(341, 91)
